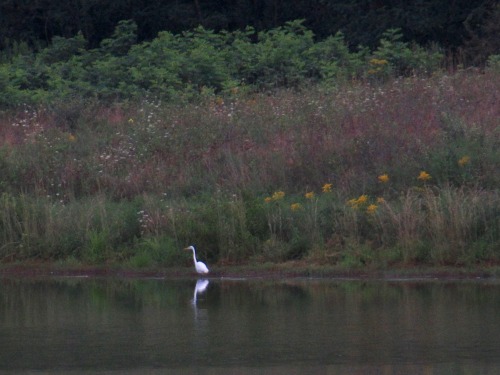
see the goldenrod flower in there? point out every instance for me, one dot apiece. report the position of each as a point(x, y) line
point(268, 199)
point(362, 199)
point(464, 160)
point(327, 188)
point(309, 195)
point(378, 61)
point(277, 195)
point(424, 176)
point(384, 178)
point(371, 209)
point(380, 200)
point(71, 138)
point(295, 206)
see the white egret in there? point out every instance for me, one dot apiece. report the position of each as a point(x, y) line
point(200, 266)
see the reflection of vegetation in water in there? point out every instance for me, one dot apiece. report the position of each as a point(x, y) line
point(39, 299)
point(122, 294)
point(137, 294)
point(362, 322)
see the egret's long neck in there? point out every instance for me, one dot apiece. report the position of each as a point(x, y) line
point(194, 256)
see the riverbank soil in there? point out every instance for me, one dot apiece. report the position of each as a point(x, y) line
point(267, 270)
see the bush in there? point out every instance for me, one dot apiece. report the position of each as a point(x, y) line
point(195, 63)
point(395, 57)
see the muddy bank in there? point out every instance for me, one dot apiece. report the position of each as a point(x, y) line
point(283, 270)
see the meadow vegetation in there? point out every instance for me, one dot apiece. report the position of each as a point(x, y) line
point(253, 152)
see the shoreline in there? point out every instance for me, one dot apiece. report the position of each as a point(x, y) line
point(251, 271)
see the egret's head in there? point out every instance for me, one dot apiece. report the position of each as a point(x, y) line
point(191, 248)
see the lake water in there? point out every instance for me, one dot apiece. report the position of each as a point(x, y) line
point(255, 326)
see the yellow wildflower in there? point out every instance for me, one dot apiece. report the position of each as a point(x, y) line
point(327, 188)
point(384, 178)
point(295, 206)
point(362, 199)
point(268, 199)
point(424, 176)
point(464, 160)
point(309, 195)
point(380, 200)
point(371, 209)
point(378, 61)
point(71, 138)
point(278, 195)
point(131, 120)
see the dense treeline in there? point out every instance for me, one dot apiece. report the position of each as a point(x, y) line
point(471, 26)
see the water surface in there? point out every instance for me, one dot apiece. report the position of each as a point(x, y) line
point(224, 326)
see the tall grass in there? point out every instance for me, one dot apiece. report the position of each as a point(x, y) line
point(136, 183)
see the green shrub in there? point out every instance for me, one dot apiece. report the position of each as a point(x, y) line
point(332, 60)
point(97, 248)
point(493, 63)
point(141, 260)
point(200, 63)
point(394, 56)
point(159, 251)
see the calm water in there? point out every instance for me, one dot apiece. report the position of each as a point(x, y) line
point(223, 326)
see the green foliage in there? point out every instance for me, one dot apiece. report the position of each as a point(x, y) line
point(9, 95)
point(97, 247)
point(141, 260)
point(198, 63)
point(158, 65)
point(123, 38)
point(157, 251)
point(404, 59)
point(279, 59)
point(204, 62)
point(493, 63)
point(334, 60)
point(63, 49)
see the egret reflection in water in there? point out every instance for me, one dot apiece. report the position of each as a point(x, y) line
point(200, 287)
point(200, 314)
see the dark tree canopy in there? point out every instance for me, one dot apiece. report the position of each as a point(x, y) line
point(450, 24)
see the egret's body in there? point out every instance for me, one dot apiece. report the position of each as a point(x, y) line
point(200, 266)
